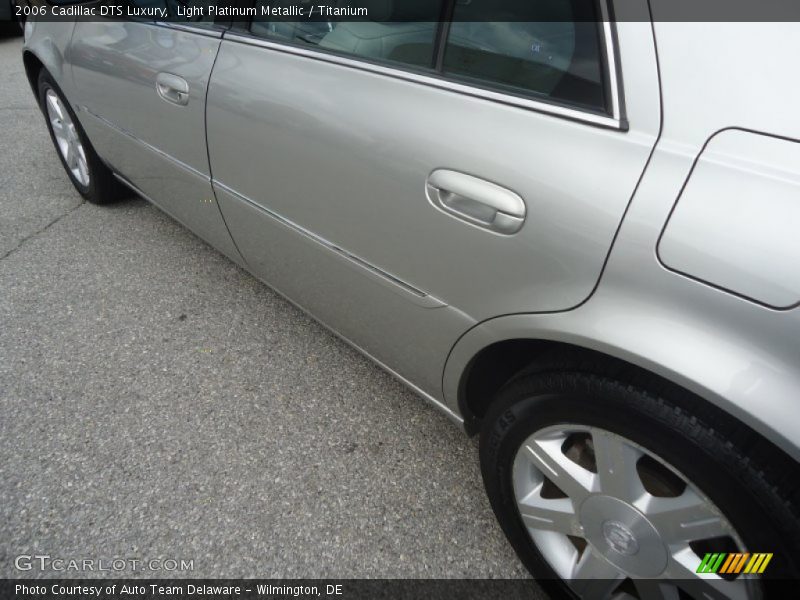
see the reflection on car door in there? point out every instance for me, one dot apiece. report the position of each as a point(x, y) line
point(347, 136)
point(141, 91)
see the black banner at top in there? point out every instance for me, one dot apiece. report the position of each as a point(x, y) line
point(213, 12)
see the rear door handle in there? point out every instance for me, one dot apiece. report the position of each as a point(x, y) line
point(476, 201)
point(172, 88)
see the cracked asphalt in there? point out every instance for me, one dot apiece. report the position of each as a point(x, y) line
point(156, 401)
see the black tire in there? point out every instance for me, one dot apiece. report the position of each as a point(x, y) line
point(762, 508)
point(103, 187)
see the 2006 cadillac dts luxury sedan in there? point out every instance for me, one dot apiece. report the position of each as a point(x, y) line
point(576, 236)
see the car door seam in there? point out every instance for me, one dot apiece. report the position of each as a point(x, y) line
point(208, 156)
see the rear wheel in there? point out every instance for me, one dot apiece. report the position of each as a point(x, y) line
point(607, 490)
point(90, 176)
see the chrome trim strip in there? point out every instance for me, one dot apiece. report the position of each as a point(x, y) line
point(407, 290)
point(161, 153)
point(611, 122)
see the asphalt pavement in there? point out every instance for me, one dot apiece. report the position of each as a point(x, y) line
point(158, 402)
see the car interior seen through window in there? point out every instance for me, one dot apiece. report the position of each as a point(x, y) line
point(549, 49)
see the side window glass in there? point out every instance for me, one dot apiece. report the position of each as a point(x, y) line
point(395, 31)
point(547, 48)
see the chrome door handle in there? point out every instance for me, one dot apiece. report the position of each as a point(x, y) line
point(172, 88)
point(476, 201)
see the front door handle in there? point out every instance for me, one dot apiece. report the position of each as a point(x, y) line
point(476, 201)
point(172, 88)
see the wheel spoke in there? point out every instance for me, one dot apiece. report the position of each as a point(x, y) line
point(572, 479)
point(58, 127)
point(549, 514)
point(83, 165)
point(70, 155)
point(594, 577)
point(616, 466)
point(686, 518)
point(54, 105)
point(83, 169)
point(703, 586)
point(67, 138)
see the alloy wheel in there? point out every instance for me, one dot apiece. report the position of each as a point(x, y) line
point(67, 138)
point(615, 521)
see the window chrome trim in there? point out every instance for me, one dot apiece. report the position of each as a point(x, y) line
point(614, 80)
point(613, 121)
point(213, 32)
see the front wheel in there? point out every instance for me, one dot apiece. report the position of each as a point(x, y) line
point(90, 176)
point(607, 490)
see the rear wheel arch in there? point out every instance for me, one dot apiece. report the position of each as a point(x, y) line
point(497, 364)
point(500, 363)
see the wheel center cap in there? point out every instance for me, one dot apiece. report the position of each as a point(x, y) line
point(623, 535)
point(619, 538)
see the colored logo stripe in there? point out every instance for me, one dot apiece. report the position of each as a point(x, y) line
point(734, 563)
point(758, 563)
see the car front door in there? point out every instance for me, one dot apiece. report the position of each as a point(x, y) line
point(404, 179)
point(140, 93)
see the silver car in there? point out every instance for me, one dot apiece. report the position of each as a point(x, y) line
point(576, 235)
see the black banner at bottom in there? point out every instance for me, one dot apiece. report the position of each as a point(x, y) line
point(341, 589)
point(249, 589)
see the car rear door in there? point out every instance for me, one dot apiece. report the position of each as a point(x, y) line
point(140, 92)
point(404, 180)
